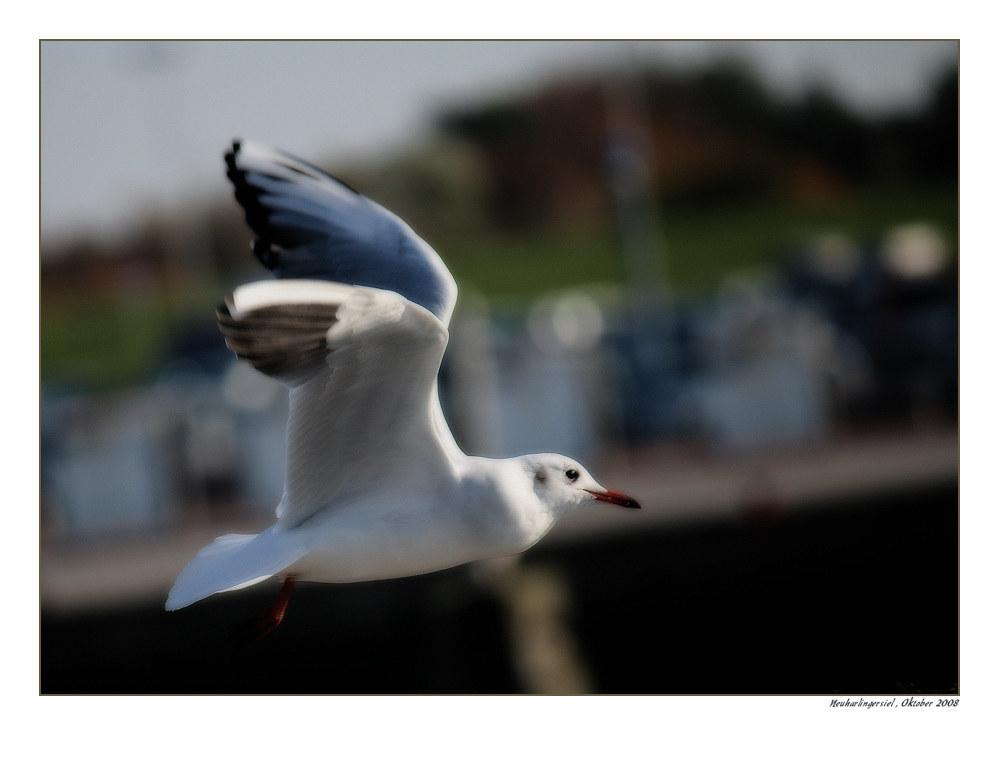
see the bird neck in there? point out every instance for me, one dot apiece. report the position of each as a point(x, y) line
point(499, 504)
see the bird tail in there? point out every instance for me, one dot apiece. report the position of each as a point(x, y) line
point(232, 562)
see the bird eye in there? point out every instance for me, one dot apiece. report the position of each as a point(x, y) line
point(571, 474)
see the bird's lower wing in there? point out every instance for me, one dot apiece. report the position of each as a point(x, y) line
point(362, 365)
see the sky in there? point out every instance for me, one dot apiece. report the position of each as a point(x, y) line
point(129, 128)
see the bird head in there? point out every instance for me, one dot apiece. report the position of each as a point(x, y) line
point(563, 485)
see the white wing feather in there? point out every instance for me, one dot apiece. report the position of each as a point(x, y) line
point(367, 410)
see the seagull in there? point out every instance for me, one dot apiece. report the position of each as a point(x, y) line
point(355, 325)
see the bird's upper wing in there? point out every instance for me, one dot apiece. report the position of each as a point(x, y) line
point(362, 366)
point(310, 225)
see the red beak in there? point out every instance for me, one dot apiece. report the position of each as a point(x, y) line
point(609, 496)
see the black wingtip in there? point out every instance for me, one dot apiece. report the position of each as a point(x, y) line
point(240, 169)
point(265, 252)
point(231, 171)
point(248, 197)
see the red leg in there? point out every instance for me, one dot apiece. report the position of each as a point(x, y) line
point(259, 625)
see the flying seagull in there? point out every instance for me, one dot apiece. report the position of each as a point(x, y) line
point(355, 325)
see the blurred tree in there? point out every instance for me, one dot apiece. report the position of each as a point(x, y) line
point(821, 127)
point(731, 95)
point(943, 129)
point(718, 137)
point(924, 147)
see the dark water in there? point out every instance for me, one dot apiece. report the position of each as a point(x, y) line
point(858, 597)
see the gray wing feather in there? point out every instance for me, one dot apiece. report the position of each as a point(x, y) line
point(284, 341)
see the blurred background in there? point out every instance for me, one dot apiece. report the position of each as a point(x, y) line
point(722, 274)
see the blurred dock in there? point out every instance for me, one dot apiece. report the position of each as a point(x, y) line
point(675, 485)
point(675, 488)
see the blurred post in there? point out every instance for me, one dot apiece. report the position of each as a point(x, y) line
point(630, 173)
point(648, 314)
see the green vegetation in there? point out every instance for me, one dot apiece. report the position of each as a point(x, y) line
point(700, 248)
point(530, 265)
point(104, 344)
point(99, 344)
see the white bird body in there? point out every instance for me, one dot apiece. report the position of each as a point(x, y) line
point(431, 530)
point(376, 486)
